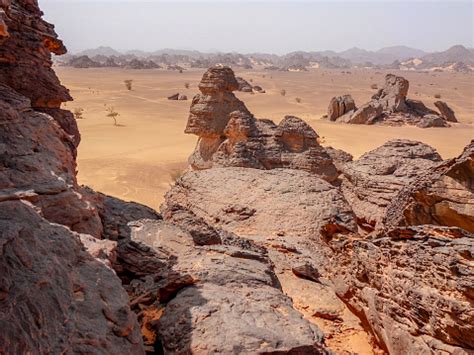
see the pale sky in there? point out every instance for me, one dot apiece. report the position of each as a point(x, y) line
point(261, 26)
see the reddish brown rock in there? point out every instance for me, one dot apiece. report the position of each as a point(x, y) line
point(230, 301)
point(446, 112)
point(371, 182)
point(413, 287)
point(339, 106)
point(389, 106)
point(229, 135)
point(442, 195)
point(54, 296)
point(244, 85)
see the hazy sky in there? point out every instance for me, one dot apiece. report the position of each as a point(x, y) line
point(261, 26)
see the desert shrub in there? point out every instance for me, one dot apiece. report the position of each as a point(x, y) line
point(181, 71)
point(175, 174)
point(251, 80)
point(263, 76)
point(186, 85)
point(78, 113)
point(128, 84)
point(374, 86)
point(282, 92)
point(112, 114)
point(437, 96)
point(298, 100)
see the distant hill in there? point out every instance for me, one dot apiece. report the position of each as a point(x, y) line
point(105, 51)
point(402, 52)
point(388, 57)
point(457, 53)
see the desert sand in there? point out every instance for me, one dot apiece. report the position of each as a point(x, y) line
point(139, 159)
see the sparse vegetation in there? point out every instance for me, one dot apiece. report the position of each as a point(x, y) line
point(181, 71)
point(298, 100)
point(112, 114)
point(282, 92)
point(186, 85)
point(128, 84)
point(251, 80)
point(437, 96)
point(175, 174)
point(374, 86)
point(78, 113)
point(263, 76)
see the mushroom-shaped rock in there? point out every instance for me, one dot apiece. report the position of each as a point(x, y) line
point(296, 134)
point(218, 79)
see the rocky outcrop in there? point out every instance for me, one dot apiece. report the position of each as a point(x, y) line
point(389, 106)
point(141, 64)
point(229, 135)
point(446, 112)
point(55, 297)
point(339, 106)
point(442, 195)
point(230, 299)
point(83, 62)
point(412, 287)
point(57, 289)
point(370, 183)
point(244, 85)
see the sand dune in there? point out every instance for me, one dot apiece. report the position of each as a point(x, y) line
point(141, 157)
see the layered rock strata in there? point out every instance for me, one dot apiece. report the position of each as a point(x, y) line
point(229, 135)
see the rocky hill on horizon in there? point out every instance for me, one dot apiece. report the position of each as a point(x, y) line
point(270, 243)
point(457, 58)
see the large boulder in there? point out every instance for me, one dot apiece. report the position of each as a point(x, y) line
point(371, 182)
point(442, 195)
point(446, 112)
point(339, 106)
point(390, 106)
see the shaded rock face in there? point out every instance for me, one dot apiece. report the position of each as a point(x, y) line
point(54, 295)
point(229, 135)
point(412, 287)
point(442, 195)
point(389, 106)
point(340, 106)
point(56, 283)
point(446, 112)
point(231, 301)
point(244, 85)
point(370, 183)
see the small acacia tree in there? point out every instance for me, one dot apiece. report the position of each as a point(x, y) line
point(298, 100)
point(128, 84)
point(186, 85)
point(283, 92)
point(112, 114)
point(78, 113)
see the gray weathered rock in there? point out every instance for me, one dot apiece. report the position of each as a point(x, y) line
point(371, 182)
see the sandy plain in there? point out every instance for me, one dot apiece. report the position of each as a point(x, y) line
point(140, 158)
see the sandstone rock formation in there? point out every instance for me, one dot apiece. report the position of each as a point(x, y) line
point(229, 135)
point(244, 85)
point(370, 183)
point(390, 106)
point(446, 112)
point(255, 251)
point(412, 287)
point(341, 105)
point(442, 195)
